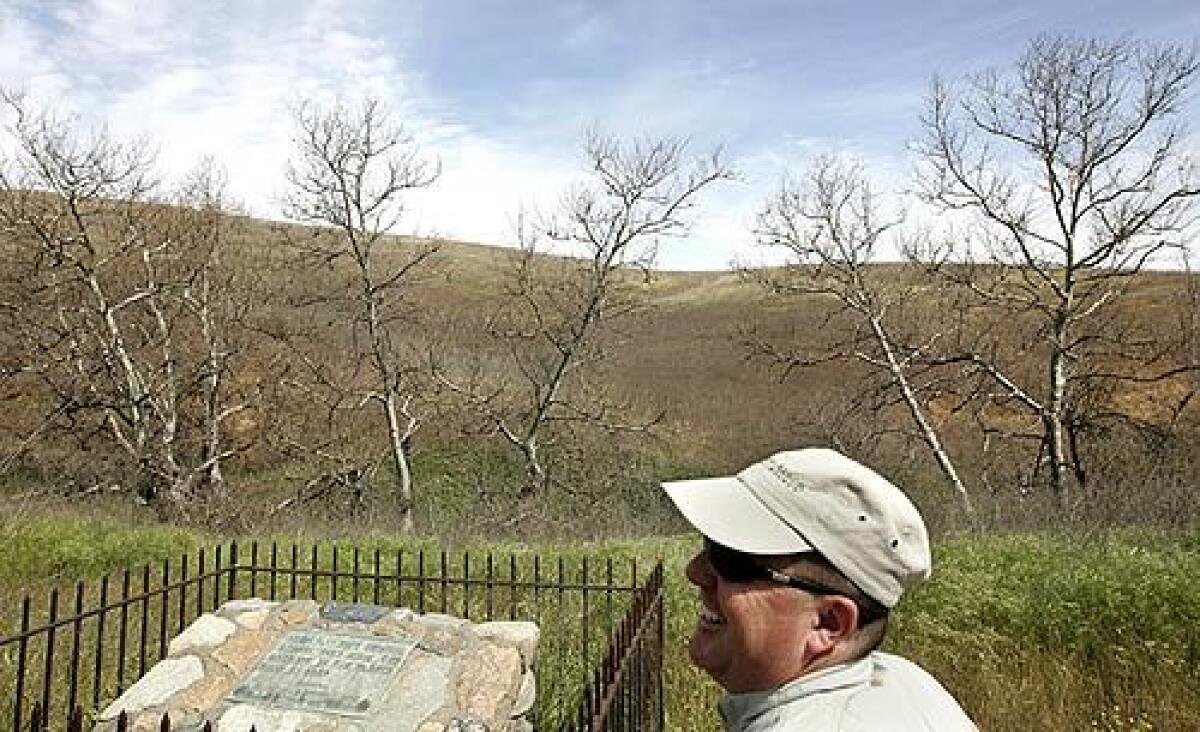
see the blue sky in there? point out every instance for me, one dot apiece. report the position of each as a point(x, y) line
point(502, 91)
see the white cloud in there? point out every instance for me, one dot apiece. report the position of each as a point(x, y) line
point(23, 63)
point(121, 28)
point(590, 32)
point(483, 185)
point(216, 78)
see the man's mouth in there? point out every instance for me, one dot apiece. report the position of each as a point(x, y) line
point(710, 618)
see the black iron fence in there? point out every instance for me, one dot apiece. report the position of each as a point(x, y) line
point(599, 658)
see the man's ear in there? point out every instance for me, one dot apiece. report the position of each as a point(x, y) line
point(837, 618)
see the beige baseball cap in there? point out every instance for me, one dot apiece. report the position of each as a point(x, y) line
point(815, 499)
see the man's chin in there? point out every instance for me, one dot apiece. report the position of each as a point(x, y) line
point(701, 648)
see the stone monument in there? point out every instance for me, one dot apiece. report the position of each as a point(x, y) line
point(296, 666)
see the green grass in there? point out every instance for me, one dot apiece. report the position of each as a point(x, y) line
point(1079, 632)
point(62, 549)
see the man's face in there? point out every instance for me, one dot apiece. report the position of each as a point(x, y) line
point(750, 636)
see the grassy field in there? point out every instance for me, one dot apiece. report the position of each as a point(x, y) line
point(1083, 632)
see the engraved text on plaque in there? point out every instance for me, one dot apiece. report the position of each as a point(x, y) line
point(317, 671)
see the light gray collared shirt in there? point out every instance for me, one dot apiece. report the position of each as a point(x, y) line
point(877, 693)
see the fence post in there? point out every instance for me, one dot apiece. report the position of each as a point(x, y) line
point(98, 661)
point(76, 632)
point(660, 638)
point(144, 630)
point(75, 721)
point(49, 670)
point(233, 570)
point(37, 722)
point(164, 608)
point(274, 575)
point(22, 653)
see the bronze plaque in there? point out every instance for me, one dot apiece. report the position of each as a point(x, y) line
point(330, 673)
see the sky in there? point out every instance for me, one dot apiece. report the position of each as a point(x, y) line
point(503, 91)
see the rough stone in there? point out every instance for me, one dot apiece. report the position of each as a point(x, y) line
point(422, 690)
point(486, 680)
point(207, 631)
point(298, 612)
point(243, 650)
point(204, 693)
point(526, 695)
point(252, 619)
point(442, 641)
point(353, 612)
point(525, 636)
point(146, 723)
point(167, 677)
point(399, 621)
point(396, 623)
point(245, 716)
point(253, 604)
point(440, 621)
point(188, 722)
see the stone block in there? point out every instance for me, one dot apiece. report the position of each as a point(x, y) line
point(397, 622)
point(526, 695)
point(253, 604)
point(441, 641)
point(523, 636)
point(417, 696)
point(164, 679)
point(244, 716)
point(296, 612)
point(252, 619)
point(243, 650)
point(203, 694)
point(487, 681)
point(441, 621)
point(207, 631)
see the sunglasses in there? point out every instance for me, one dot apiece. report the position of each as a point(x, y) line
point(734, 566)
point(740, 567)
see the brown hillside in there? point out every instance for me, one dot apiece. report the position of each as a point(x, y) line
point(680, 355)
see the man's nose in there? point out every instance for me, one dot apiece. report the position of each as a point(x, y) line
point(699, 571)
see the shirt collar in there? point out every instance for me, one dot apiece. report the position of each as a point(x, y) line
point(738, 710)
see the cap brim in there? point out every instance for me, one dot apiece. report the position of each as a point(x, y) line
point(724, 510)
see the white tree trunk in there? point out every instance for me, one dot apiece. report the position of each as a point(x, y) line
point(927, 430)
point(1052, 418)
point(397, 435)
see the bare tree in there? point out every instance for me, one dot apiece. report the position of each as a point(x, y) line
point(215, 305)
point(560, 316)
point(350, 170)
point(833, 226)
point(108, 303)
point(1070, 171)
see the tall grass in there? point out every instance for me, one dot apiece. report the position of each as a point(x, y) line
point(1087, 632)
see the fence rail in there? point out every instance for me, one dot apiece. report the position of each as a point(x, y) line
point(600, 655)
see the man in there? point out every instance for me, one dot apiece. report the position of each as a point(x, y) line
point(804, 556)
